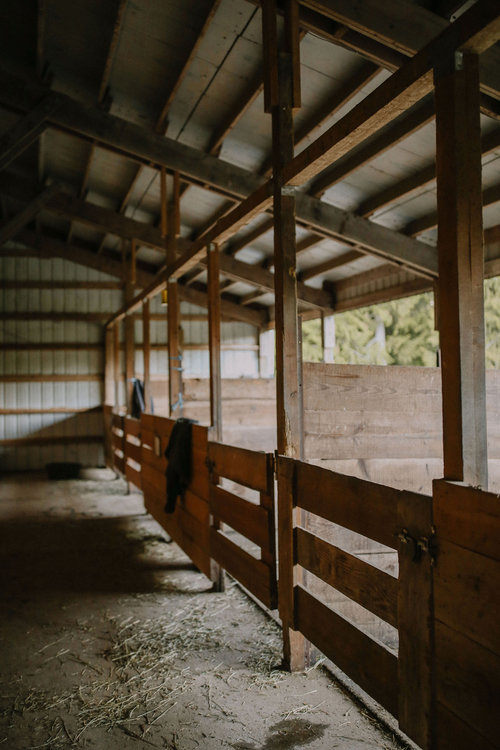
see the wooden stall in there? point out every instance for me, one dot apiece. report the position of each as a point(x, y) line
point(189, 524)
point(249, 553)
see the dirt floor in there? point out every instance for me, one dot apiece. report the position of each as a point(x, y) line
point(110, 639)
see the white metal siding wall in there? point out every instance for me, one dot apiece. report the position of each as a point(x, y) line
point(26, 376)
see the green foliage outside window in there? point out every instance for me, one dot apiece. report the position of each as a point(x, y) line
point(400, 332)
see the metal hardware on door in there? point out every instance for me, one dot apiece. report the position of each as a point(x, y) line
point(406, 538)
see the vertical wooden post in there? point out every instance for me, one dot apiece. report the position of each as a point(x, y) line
point(288, 384)
point(460, 248)
point(216, 574)
point(175, 389)
point(146, 344)
point(214, 341)
point(130, 333)
point(109, 366)
point(163, 201)
point(117, 373)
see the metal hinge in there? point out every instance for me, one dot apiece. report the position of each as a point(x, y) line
point(418, 547)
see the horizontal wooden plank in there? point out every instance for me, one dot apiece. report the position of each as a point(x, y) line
point(52, 410)
point(253, 574)
point(117, 421)
point(370, 445)
point(454, 734)
point(163, 426)
point(132, 426)
point(132, 451)
point(197, 389)
point(467, 681)
point(170, 523)
point(248, 519)
point(243, 466)
point(117, 441)
point(370, 664)
point(197, 507)
point(364, 507)
point(368, 586)
point(119, 463)
point(467, 516)
point(467, 594)
point(133, 476)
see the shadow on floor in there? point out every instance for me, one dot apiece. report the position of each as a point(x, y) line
point(86, 554)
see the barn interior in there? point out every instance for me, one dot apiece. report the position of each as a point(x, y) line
point(182, 185)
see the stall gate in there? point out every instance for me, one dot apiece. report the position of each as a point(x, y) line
point(399, 680)
point(441, 676)
point(249, 554)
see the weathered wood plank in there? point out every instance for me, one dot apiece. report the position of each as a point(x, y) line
point(368, 586)
point(246, 518)
point(467, 681)
point(468, 517)
point(415, 620)
point(364, 507)
point(253, 574)
point(243, 466)
point(370, 664)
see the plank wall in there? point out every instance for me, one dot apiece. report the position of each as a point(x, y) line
point(50, 398)
point(384, 423)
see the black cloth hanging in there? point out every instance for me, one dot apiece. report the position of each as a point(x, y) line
point(138, 405)
point(178, 455)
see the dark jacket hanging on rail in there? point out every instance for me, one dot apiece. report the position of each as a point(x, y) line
point(178, 455)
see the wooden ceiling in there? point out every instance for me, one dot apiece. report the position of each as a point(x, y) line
point(96, 98)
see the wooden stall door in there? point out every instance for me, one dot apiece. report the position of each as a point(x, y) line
point(467, 617)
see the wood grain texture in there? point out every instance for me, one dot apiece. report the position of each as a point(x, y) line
point(372, 666)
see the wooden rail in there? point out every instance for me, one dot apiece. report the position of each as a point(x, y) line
point(401, 682)
point(189, 524)
point(251, 520)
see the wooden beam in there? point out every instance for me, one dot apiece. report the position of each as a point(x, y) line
point(26, 130)
point(229, 310)
point(146, 347)
point(396, 131)
point(214, 343)
point(403, 26)
point(162, 123)
point(475, 30)
point(129, 348)
point(175, 389)
point(418, 226)
point(109, 367)
point(138, 143)
point(10, 228)
point(116, 365)
point(460, 283)
point(329, 265)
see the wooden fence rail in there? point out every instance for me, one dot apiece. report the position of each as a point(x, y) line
point(445, 590)
point(251, 520)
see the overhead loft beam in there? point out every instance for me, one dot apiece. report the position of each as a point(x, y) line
point(45, 247)
point(138, 143)
point(26, 131)
point(103, 92)
point(388, 137)
point(474, 32)
point(162, 121)
point(10, 228)
point(51, 247)
point(330, 265)
point(405, 27)
point(75, 209)
point(490, 196)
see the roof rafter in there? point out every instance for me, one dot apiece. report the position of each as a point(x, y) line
point(10, 228)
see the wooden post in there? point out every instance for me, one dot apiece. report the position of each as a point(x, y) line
point(130, 333)
point(109, 367)
point(117, 373)
point(163, 201)
point(460, 286)
point(146, 343)
point(216, 572)
point(288, 384)
point(175, 389)
point(214, 341)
